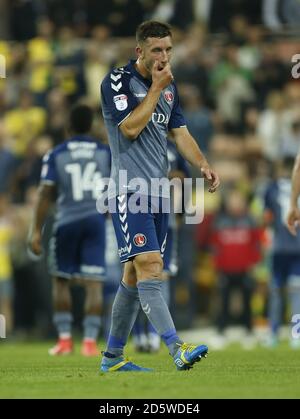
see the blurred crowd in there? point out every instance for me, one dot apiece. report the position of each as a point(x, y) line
point(232, 65)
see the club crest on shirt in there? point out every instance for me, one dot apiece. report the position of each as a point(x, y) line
point(169, 96)
point(121, 102)
point(140, 240)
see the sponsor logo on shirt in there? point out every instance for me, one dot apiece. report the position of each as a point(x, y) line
point(160, 118)
point(121, 102)
point(140, 94)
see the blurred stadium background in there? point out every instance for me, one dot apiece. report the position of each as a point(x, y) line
point(232, 64)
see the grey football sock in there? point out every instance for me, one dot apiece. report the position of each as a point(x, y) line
point(165, 289)
point(157, 311)
point(124, 311)
point(63, 322)
point(91, 326)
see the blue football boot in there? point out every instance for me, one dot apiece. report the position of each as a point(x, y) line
point(187, 355)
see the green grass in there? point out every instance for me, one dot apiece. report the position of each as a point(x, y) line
point(26, 371)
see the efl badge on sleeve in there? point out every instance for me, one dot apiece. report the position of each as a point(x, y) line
point(121, 102)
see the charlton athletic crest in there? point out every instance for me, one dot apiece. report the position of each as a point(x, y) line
point(140, 240)
point(169, 96)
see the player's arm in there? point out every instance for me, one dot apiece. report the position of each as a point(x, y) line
point(132, 126)
point(45, 199)
point(190, 151)
point(293, 218)
point(269, 209)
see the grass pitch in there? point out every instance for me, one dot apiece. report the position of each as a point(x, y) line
point(26, 371)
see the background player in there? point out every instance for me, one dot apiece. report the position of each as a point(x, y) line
point(285, 261)
point(73, 171)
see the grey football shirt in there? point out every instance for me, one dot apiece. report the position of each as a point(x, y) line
point(76, 168)
point(146, 158)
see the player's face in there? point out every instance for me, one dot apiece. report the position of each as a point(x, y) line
point(155, 49)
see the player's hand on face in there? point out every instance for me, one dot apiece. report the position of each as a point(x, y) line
point(293, 220)
point(161, 78)
point(212, 177)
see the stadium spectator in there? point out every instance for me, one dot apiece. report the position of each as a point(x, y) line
point(8, 161)
point(24, 122)
point(236, 246)
point(6, 287)
point(41, 57)
point(197, 115)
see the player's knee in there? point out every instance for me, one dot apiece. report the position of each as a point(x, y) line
point(61, 286)
point(61, 294)
point(93, 289)
point(129, 275)
point(148, 265)
point(93, 301)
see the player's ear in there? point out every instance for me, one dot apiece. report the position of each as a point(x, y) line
point(139, 51)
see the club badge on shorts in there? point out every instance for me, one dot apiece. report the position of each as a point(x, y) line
point(121, 102)
point(140, 240)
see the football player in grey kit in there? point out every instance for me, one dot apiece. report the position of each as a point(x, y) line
point(140, 106)
point(71, 176)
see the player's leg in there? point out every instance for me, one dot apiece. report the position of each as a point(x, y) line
point(137, 235)
point(149, 275)
point(247, 287)
point(293, 288)
point(278, 275)
point(126, 303)
point(150, 338)
point(91, 271)
point(124, 311)
point(149, 270)
point(170, 267)
point(224, 291)
point(145, 337)
point(62, 259)
point(224, 285)
point(140, 332)
point(92, 316)
point(62, 316)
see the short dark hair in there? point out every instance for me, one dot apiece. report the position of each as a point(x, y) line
point(152, 29)
point(81, 119)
